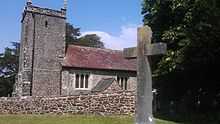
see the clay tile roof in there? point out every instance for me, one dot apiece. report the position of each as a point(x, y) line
point(103, 85)
point(96, 58)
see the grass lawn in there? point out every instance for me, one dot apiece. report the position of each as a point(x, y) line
point(69, 119)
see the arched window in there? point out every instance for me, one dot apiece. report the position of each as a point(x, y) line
point(82, 81)
point(77, 81)
point(126, 84)
point(87, 81)
point(123, 82)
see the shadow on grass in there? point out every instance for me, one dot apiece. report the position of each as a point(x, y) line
point(188, 118)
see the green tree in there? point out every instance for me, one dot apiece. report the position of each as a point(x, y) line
point(8, 69)
point(73, 36)
point(191, 29)
point(90, 40)
point(72, 33)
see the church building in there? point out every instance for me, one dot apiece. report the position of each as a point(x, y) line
point(49, 68)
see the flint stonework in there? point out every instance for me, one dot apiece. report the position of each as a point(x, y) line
point(42, 51)
point(118, 103)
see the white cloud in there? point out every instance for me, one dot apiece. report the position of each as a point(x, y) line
point(126, 38)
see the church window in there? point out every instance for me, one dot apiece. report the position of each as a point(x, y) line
point(46, 24)
point(77, 81)
point(123, 82)
point(87, 81)
point(126, 84)
point(118, 79)
point(82, 81)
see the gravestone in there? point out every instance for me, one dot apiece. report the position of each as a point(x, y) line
point(144, 77)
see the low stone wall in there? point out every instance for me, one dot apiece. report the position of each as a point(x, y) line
point(104, 104)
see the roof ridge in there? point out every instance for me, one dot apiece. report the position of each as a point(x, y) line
point(94, 48)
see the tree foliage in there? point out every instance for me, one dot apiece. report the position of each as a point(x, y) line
point(73, 36)
point(90, 40)
point(191, 29)
point(8, 69)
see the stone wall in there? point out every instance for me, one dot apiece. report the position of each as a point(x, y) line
point(104, 104)
point(68, 79)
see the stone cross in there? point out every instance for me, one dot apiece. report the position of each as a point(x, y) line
point(144, 77)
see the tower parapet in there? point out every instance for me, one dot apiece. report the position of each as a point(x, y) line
point(44, 11)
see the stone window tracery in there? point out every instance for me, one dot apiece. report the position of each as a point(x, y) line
point(82, 81)
point(123, 82)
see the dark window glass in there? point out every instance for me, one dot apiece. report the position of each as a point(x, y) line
point(122, 83)
point(126, 83)
point(82, 81)
point(46, 24)
point(87, 81)
point(77, 81)
point(118, 79)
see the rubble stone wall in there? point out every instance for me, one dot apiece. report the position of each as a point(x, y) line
point(120, 103)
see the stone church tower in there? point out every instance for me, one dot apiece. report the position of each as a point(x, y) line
point(42, 51)
point(49, 68)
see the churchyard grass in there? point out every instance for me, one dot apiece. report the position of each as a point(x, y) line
point(69, 119)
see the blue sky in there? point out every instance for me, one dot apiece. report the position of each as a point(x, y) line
point(115, 21)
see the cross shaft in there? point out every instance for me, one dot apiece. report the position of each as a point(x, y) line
point(144, 77)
